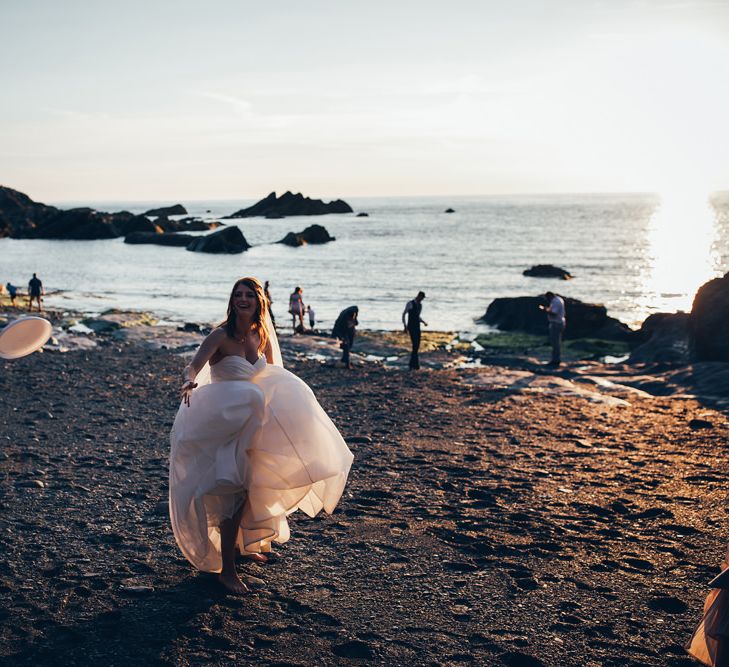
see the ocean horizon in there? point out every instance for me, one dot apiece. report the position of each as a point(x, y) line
point(636, 253)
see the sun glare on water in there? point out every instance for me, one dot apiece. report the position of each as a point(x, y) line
point(680, 242)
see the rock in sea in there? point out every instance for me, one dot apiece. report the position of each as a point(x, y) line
point(177, 209)
point(584, 320)
point(313, 234)
point(227, 240)
point(291, 204)
point(547, 271)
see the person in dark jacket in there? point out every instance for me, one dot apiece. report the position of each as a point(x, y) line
point(411, 321)
point(344, 330)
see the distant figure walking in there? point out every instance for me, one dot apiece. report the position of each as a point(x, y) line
point(312, 317)
point(267, 294)
point(35, 291)
point(557, 322)
point(344, 329)
point(411, 321)
point(13, 292)
point(296, 309)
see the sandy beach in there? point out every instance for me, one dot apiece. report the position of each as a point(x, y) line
point(493, 515)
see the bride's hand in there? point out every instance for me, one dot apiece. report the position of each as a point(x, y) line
point(186, 390)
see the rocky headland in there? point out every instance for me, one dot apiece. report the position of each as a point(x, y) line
point(289, 204)
point(23, 218)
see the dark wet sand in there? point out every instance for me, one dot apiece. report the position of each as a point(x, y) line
point(479, 526)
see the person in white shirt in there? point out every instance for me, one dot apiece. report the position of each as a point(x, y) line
point(557, 322)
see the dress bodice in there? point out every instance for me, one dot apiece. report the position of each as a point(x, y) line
point(234, 367)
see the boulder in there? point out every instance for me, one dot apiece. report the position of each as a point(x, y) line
point(291, 204)
point(547, 271)
point(177, 209)
point(664, 338)
point(134, 223)
point(709, 321)
point(313, 234)
point(449, 210)
point(227, 240)
point(362, 215)
point(169, 239)
point(584, 320)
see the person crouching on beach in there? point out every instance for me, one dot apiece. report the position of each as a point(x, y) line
point(344, 329)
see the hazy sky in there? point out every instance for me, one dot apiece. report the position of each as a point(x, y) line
point(232, 99)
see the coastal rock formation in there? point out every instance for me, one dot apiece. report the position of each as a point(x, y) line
point(362, 215)
point(547, 271)
point(709, 321)
point(227, 240)
point(665, 339)
point(19, 214)
point(291, 204)
point(583, 319)
point(169, 239)
point(177, 209)
point(449, 210)
point(314, 234)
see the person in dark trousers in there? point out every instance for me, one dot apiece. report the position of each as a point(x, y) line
point(344, 330)
point(411, 321)
point(557, 322)
point(35, 291)
point(267, 294)
point(13, 292)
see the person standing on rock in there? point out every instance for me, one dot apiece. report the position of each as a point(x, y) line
point(556, 321)
point(296, 309)
point(35, 291)
point(411, 322)
point(344, 329)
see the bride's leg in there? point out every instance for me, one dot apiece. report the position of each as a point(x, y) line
point(228, 534)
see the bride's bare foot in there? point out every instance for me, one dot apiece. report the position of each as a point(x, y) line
point(258, 558)
point(232, 583)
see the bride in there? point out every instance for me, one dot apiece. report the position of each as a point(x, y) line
point(249, 446)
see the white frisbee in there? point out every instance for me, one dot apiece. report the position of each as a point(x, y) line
point(24, 336)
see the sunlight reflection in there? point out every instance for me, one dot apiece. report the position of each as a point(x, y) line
point(681, 253)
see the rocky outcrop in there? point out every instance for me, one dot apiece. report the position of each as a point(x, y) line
point(664, 338)
point(362, 214)
point(171, 239)
point(19, 214)
point(314, 234)
point(228, 240)
point(449, 210)
point(291, 204)
point(709, 321)
point(547, 271)
point(177, 209)
point(584, 320)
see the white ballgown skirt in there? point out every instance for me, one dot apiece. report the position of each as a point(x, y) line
point(255, 435)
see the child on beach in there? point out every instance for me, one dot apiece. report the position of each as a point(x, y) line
point(312, 317)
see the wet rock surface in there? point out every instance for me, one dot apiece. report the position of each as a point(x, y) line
point(486, 521)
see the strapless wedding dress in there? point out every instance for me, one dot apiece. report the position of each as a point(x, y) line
point(255, 434)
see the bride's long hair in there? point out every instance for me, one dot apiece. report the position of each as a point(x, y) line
point(260, 317)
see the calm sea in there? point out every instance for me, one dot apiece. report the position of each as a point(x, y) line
point(637, 254)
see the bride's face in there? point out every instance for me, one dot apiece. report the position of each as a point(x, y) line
point(245, 301)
